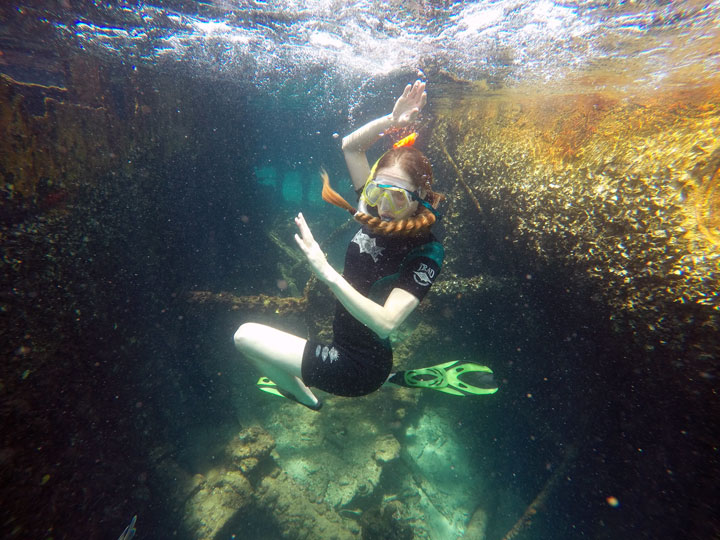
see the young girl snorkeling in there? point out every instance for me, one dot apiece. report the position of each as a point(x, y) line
point(390, 265)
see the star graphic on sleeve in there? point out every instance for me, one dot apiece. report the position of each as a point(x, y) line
point(368, 245)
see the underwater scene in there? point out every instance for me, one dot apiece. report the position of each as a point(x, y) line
point(559, 380)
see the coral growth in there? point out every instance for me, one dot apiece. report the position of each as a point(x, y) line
point(248, 481)
point(620, 191)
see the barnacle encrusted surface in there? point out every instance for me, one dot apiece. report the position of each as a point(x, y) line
point(622, 190)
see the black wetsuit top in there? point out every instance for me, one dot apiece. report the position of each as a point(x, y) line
point(358, 361)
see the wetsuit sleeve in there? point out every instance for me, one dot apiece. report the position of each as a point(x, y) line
point(420, 269)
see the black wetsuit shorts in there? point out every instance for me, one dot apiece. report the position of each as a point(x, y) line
point(346, 370)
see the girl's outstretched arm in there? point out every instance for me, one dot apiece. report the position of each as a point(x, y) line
point(382, 320)
point(354, 146)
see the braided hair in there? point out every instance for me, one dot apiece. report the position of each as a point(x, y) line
point(419, 170)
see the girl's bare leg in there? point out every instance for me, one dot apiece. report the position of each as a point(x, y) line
point(278, 356)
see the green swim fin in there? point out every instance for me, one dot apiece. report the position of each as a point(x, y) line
point(266, 385)
point(447, 378)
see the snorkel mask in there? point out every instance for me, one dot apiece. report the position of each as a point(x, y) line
point(390, 193)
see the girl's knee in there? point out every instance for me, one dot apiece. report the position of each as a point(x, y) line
point(246, 335)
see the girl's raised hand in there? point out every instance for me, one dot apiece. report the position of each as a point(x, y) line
point(409, 105)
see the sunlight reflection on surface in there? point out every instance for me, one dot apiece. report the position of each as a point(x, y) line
point(509, 42)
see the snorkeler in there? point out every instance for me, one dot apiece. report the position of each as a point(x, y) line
point(390, 265)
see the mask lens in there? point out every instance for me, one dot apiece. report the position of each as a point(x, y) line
point(373, 193)
point(392, 198)
point(400, 198)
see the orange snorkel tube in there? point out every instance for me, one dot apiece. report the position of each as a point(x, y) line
point(406, 141)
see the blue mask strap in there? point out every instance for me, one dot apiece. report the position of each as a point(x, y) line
point(426, 205)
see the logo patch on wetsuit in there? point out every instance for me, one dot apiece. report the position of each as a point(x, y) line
point(327, 353)
point(368, 245)
point(424, 275)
